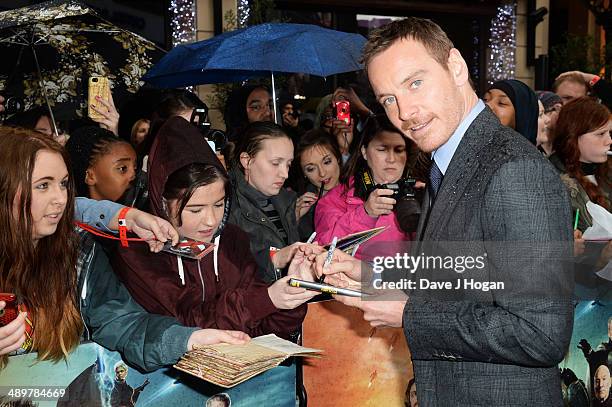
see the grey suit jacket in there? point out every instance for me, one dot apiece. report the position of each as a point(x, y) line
point(499, 196)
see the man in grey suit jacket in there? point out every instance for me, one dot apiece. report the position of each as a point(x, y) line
point(495, 195)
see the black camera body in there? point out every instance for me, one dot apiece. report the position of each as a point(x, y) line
point(13, 105)
point(199, 118)
point(407, 207)
point(402, 189)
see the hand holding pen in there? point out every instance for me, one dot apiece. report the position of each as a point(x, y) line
point(328, 258)
point(341, 270)
point(304, 203)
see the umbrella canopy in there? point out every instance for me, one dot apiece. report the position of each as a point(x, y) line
point(257, 51)
point(60, 44)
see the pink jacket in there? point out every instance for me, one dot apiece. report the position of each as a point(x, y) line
point(339, 214)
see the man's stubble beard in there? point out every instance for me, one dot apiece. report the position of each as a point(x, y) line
point(430, 142)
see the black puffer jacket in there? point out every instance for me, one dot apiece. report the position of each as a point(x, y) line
point(246, 213)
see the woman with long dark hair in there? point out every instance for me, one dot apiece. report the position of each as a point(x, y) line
point(362, 200)
point(190, 188)
point(581, 142)
point(62, 279)
point(317, 161)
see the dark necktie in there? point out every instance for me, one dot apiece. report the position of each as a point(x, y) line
point(435, 179)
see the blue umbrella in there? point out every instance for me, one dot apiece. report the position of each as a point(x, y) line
point(258, 51)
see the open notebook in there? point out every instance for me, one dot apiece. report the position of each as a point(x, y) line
point(228, 365)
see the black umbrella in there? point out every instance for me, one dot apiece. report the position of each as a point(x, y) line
point(60, 44)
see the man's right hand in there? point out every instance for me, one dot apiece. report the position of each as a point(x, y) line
point(344, 271)
point(1, 103)
point(12, 335)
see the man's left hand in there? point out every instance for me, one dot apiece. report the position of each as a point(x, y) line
point(385, 310)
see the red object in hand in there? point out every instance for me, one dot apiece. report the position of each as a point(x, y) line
point(343, 111)
point(10, 311)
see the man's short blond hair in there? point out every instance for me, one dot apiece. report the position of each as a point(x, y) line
point(422, 30)
point(572, 77)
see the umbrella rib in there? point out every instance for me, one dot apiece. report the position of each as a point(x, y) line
point(19, 35)
point(43, 37)
point(318, 59)
point(131, 33)
point(8, 41)
point(93, 30)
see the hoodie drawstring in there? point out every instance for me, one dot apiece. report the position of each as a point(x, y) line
point(181, 272)
point(215, 256)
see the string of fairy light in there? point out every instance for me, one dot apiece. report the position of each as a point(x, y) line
point(182, 21)
point(501, 63)
point(243, 12)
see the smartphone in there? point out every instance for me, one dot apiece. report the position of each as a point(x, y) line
point(10, 311)
point(324, 288)
point(343, 111)
point(189, 248)
point(98, 86)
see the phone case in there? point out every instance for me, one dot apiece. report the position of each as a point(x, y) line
point(98, 86)
point(189, 248)
point(10, 311)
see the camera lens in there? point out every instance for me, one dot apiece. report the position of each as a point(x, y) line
point(13, 105)
point(218, 137)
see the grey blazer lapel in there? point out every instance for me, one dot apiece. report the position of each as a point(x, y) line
point(461, 170)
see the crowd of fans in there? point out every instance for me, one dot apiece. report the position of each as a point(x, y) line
point(258, 198)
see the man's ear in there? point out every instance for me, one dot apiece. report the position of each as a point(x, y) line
point(363, 153)
point(90, 178)
point(457, 67)
point(245, 159)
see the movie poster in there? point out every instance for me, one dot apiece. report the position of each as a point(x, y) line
point(360, 366)
point(585, 371)
point(94, 376)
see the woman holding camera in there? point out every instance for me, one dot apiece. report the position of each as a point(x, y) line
point(361, 201)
